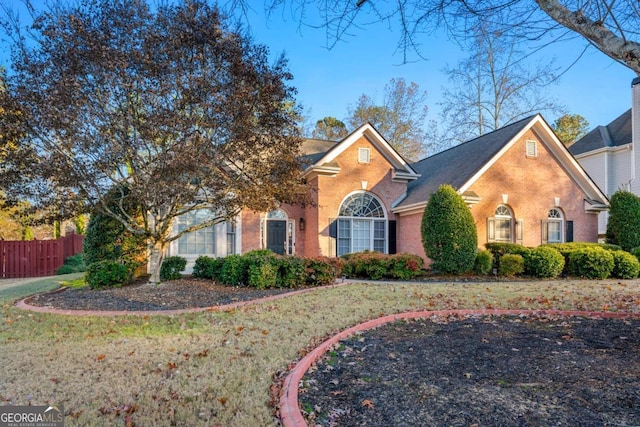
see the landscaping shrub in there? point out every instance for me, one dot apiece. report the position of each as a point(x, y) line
point(566, 249)
point(207, 268)
point(233, 271)
point(543, 261)
point(291, 272)
point(263, 274)
point(404, 266)
point(483, 263)
point(636, 252)
point(322, 270)
point(510, 265)
point(171, 268)
point(107, 239)
point(623, 226)
point(107, 274)
point(72, 264)
point(626, 265)
point(367, 264)
point(592, 262)
point(449, 234)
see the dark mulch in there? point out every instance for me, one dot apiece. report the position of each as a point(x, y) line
point(489, 371)
point(172, 295)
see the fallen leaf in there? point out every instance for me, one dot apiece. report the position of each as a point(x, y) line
point(222, 400)
point(100, 357)
point(369, 404)
point(265, 332)
point(172, 365)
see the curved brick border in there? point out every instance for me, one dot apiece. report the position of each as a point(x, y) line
point(23, 304)
point(290, 414)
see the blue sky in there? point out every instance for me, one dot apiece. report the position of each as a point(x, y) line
point(329, 81)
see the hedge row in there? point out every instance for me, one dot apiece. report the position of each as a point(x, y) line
point(376, 266)
point(264, 269)
point(589, 260)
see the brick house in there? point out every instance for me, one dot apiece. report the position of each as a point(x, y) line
point(520, 182)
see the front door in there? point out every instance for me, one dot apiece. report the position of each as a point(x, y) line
point(276, 236)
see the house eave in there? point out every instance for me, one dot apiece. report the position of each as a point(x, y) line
point(314, 171)
point(409, 209)
point(399, 176)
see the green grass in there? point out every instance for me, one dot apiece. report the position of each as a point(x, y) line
point(217, 368)
point(47, 284)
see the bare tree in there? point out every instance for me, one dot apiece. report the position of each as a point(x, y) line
point(613, 27)
point(491, 88)
point(168, 103)
point(400, 118)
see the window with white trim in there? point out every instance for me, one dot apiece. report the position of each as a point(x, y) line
point(199, 242)
point(231, 237)
point(500, 226)
point(553, 226)
point(364, 155)
point(362, 225)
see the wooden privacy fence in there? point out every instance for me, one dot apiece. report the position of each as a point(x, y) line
point(36, 258)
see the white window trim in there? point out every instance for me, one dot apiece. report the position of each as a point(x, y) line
point(364, 155)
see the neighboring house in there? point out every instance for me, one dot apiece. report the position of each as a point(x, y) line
point(520, 182)
point(608, 155)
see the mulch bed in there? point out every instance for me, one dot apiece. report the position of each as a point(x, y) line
point(507, 371)
point(516, 371)
point(171, 295)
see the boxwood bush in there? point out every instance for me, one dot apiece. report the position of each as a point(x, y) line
point(511, 265)
point(172, 267)
point(207, 268)
point(566, 249)
point(592, 262)
point(101, 274)
point(484, 262)
point(626, 265)
point(543, 261)
point(72, 264)
point(322, 271)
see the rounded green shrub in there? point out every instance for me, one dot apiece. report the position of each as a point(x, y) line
point(404, 266)
point(543, 261)
point(107, 274)
point(626, 266)
point(322, 271)
point(483, 263)
point(511, 265)
point(636, 252)
point(207, 268)
point(172, 267)
point(623, 226)
point(263, 274)
point(449, 234)
point(592, 262)
point(233, 271)
point(291, 272)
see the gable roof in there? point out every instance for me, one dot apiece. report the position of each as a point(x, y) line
point(462, 165)
point(324, 162)
point(615, 134)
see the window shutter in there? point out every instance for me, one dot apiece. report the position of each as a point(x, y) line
point(333, 236)
point(544, 229)
point(569, 232)
point(519, 231)
point(491, 229)
point(392, 238)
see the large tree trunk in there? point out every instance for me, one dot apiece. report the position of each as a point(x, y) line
point(156, 255)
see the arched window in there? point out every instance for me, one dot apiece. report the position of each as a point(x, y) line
point(362, 224)
point(553, 226)
point(500, 227)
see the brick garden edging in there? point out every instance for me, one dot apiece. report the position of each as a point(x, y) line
point(290, 414)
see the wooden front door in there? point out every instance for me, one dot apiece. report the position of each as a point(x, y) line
point(276, 236)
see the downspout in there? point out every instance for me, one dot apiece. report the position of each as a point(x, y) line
point(635, 126)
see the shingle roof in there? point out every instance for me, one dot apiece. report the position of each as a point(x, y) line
point(616, 133)
point(458, 164)
point(313, 149)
